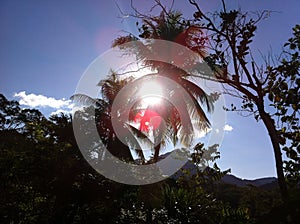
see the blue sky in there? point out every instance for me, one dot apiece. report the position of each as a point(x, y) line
point(47, 45)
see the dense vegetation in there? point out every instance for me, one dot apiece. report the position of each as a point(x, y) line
point(44, 179)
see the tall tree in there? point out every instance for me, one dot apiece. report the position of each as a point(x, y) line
point(167, 27)
point(231, 33)
point(284, 94)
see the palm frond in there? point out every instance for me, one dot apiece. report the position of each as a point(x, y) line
point(139, 134)
point(84, 99)
point(123, 40)
point(197, 92)
point(186, 127)
point(137, 139)
point(198, 115)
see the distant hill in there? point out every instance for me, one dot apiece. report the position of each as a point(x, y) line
point(266, 183)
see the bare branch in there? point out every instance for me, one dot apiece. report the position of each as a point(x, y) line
point(224, 7)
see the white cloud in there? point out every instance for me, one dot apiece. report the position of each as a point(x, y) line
point(33, 100)
point(47, 105)
point(227, 128)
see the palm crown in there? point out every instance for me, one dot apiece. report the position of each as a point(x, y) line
point(178, 120)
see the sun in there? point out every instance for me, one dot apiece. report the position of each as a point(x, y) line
point(151, 93)
point(147, 118)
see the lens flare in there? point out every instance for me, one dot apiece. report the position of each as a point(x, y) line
point(148, 120)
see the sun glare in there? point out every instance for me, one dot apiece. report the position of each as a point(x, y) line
point(151, 93)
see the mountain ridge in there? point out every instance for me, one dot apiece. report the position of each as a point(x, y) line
point(239, 182)
point(263, 182)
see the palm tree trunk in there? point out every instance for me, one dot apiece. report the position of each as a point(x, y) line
point(156, 152)
point(270, 125)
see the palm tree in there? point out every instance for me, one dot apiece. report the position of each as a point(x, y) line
point(171, 28)
point(110, 87)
